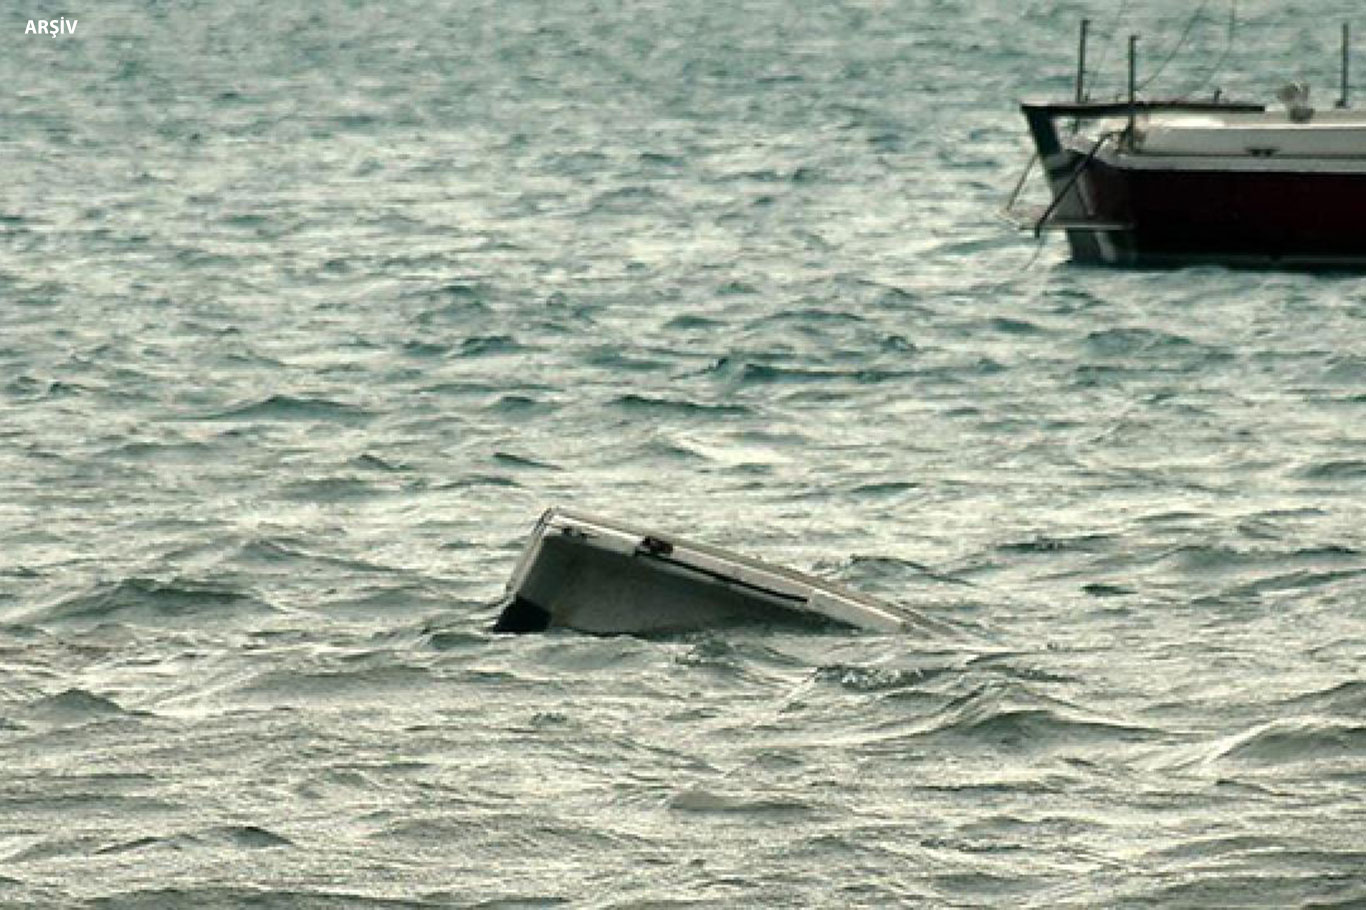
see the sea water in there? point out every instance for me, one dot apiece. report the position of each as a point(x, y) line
point(308, 309)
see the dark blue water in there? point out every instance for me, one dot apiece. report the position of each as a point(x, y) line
point(308, 309)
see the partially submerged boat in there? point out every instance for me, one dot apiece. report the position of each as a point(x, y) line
point(607, 578)
point(1140, 182)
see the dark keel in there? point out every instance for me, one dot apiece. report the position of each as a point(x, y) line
point(521, 616)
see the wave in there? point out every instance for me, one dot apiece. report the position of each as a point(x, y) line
point(74, 706)
point(362, 685)
point(274, 553)
point(286, 408)
point(695, 322)
point(486, 345)
point(631, 200)
point(245, 837)
point(371, 462)
point(455, 639)
point(519, 405)
point(615, 360)
point(1108, 589)
point(814, 320)
point(28, 389)
point(703, 801)
point(229, 897)
point(425, 350)
point(650, 404)
point(1142, 341)
point(1043, 543)
point(889, 573)
point(1204, 558)
point(1297, 741)
point(1008, 326)
point(1346, 699)
point(54, 848)
point(742, 372)
point(522, 462)
point(1294, 581)
point(476, 480)
point(1035, 728)
point(1319, 881)
point(883, 489)
point(1339, 469)
point(331, 490)
point(179, 451)
point(1010, 716)
point(141, 600)
point(880, 679)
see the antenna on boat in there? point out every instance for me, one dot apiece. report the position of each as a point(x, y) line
point(1133, 83)
point(1081, 60)
point(1346, 45)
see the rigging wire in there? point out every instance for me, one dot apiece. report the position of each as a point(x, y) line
point(1176, 48)
point(1109, 39)
point(1213, 71)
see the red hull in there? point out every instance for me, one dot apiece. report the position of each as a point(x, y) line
point(1307, 218)
point(1163, 183)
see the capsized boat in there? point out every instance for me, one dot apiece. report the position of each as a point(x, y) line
point(603, 577)
point(1142, 182)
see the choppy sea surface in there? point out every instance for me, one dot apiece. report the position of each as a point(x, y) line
point(308, 309)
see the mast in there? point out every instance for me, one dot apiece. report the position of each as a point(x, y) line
point(1133, 83)
point(1346, 46)
point(1081, 60)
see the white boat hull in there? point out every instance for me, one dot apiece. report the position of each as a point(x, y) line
point(605, 578)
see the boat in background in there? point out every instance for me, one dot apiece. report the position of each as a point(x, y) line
point(606, 578)
point(1139, 182)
